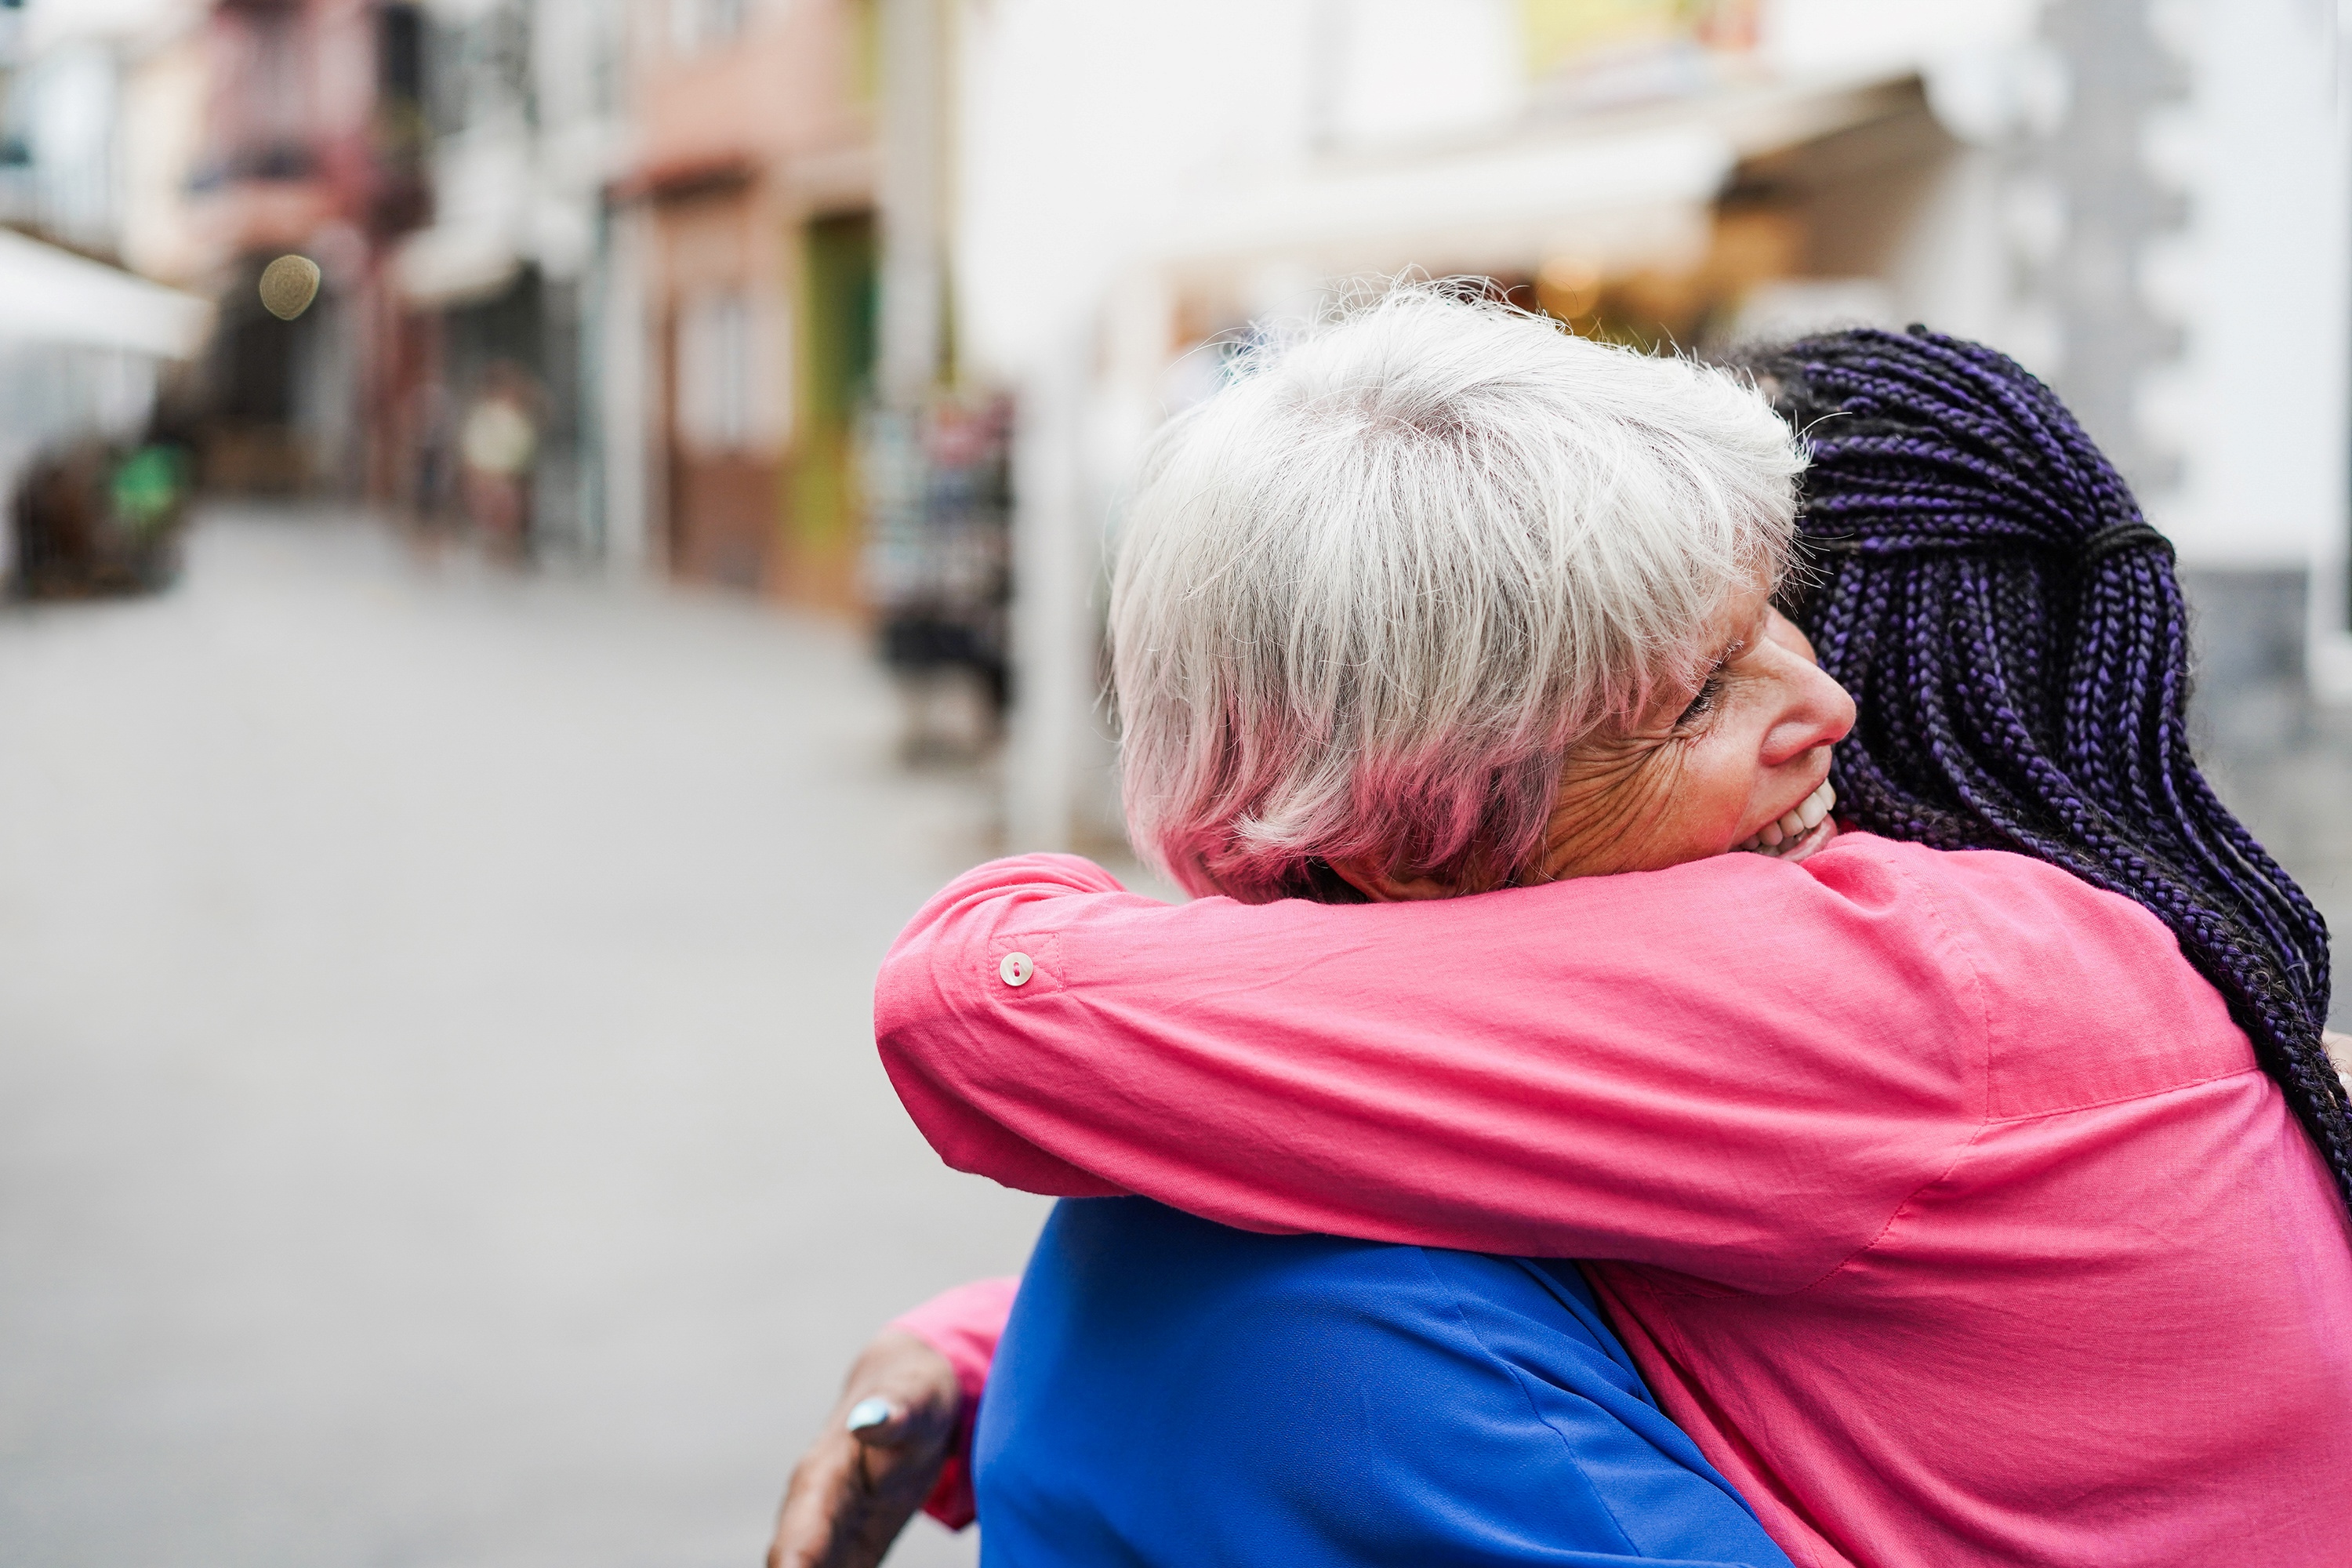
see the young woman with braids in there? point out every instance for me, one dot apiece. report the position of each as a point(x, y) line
point(2016, 644)
point(1970, 1183)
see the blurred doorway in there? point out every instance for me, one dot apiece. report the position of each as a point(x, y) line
point(835, 374)
point(723, 472)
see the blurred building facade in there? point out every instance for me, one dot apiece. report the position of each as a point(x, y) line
point(768, 293)
point(2145, 203)
point(445, 163)
point(751, 214)
point(492, 397)
point(307, 145)
point(648, 234)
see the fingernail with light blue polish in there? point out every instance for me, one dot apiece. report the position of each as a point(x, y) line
point(868, 1413)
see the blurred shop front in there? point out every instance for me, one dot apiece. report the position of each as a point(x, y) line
point(488, 394)
point(94, 483)
point(1651, 173)
point(2091, 186)
point(752, 205)
point(1676, 175)
point(306, 144)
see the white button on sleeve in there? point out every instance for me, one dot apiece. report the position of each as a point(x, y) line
point(1017, 969)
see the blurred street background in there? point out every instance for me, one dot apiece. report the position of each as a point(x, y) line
point(439, 1121)
point(475, 708)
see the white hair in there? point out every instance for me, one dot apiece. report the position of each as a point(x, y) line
point(1371, 594)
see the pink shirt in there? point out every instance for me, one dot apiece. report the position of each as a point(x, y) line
point(963, 1325)
point(1935, 1194)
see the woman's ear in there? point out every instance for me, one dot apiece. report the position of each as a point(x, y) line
point(1379, 885)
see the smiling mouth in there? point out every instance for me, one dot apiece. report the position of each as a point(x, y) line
point(1803, 829)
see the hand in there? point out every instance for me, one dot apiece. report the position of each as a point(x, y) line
point(854, 1490)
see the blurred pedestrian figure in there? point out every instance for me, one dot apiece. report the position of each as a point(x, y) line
point(434, 502)
point(500, 444)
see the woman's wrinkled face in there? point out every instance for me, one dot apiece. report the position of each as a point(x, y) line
point(1706, 769)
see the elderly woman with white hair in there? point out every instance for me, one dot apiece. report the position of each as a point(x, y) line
point(1972, 1199)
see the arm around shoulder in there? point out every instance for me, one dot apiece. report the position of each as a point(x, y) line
point(1734, 1069)
point(939, 1028)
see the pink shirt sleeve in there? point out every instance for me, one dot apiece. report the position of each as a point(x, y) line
point(1736, 1069)
point(963, 1325)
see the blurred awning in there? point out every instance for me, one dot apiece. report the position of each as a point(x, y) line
point(1629, 181)
point(1457, 211)
point(670, 179)
point(52, 296)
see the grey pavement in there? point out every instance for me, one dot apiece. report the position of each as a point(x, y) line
point(439, 1116)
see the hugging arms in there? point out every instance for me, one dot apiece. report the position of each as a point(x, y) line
point(1981, 1163)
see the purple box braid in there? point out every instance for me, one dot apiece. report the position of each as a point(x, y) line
point(1978, 576)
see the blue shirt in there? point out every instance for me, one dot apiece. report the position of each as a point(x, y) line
point(1176, 1393)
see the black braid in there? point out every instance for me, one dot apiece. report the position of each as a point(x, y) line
point(1978, 576)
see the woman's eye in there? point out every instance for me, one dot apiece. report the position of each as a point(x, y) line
point(1704, 703)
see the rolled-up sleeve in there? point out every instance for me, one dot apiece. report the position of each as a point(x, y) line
point(962, 1324)
point(1736, 1069)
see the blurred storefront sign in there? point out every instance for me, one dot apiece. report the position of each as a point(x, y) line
point(1586, 54)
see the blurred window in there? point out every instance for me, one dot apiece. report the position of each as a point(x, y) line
point(260, 130)
point(402, 131)
point(606, 44)
point(277, 80)
point(478, 71)
point(696, 26)
point(717, 365)
point(400, 55)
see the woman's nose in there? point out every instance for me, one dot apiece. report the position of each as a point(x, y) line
point(1780, 629)
point(1819, 713)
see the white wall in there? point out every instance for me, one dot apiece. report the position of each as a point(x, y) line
point(2262, 288)
point(1081, 127)
point(1088, 131)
